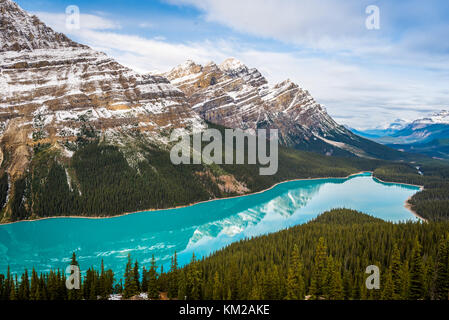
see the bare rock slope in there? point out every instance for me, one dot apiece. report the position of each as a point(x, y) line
point(235, 96)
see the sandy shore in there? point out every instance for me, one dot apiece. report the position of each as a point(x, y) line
point(406, 205)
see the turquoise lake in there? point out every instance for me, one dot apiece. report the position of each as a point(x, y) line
point(202, 228)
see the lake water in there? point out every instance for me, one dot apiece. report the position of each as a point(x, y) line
point(202, 228)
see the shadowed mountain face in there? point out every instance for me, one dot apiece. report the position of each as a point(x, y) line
point(235, 96)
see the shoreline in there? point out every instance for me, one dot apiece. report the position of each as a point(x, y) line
point(406, 205)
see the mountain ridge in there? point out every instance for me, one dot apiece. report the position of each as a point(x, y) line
point(427, 135)
point(236, 96)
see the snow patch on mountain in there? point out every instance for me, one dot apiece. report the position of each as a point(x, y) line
point(441, 117)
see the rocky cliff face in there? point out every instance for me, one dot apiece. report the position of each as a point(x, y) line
point(233, 95)
point(51, 88)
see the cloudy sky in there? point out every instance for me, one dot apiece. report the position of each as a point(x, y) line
point(366, 78)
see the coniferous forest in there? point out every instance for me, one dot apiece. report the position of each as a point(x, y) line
point(323, 259)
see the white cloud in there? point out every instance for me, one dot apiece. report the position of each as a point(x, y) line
point(322, 23)
point(87, 21)
point(337, 28)
point(357, 94)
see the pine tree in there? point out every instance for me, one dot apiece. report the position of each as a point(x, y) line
point(319, 270)
point(416, 290)
point(182, 285)
point(103, 284)
point(273, 285)
point(130, 288)
point(429, 274)
point(256, 292)
point(364, 295)
point(388, 286)
point(43, 294)
point(8, 284)
point(24, 287)
point(335, 283)
point(232, 279)
point(34, 287)
point(136, 275)
point(395, 271)
point(13, 291)
point(442, 271)
point(92, 293)
point(109, 282)
point(144, 285)
point(295, 281)
point(405, 281)
point(62, 288)
point(153, 290)
point(193, 280)
point(73, 262)
point(229, 296)
point(243, 285)
point(52, 286)
point(216, 295)
point(173, 277)
point(347, 285)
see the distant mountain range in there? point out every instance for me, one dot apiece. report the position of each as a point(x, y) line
point(390, 129)
point(429, 135)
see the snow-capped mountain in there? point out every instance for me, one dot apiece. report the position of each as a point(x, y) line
point(381, 131)
point(428, 135)
point(52, 87)
point(425, 129)
point(236, 96)
point(441, 117)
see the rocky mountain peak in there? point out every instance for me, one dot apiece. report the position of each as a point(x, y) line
point(22, 31)
point(52, 88)
point(232, 64)
point(236, 96)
